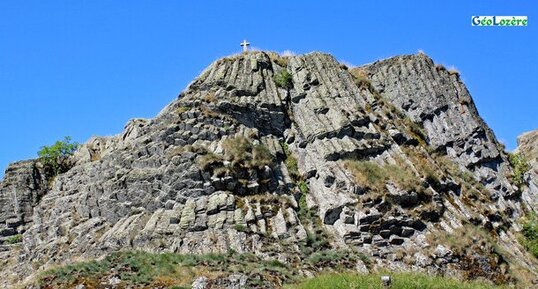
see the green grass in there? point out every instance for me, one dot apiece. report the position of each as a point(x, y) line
point(136, 268)
point(291, 162)
point(284, 79)
point(241, 228)
point(167, 270)
point(243, 153)
point(326, 256)
point(335, 259)
point(303, 187)
point(520, 167)
point(14, 239)
point(530, 234)
point(373, 281)
point(182, 109)
point(304, 211)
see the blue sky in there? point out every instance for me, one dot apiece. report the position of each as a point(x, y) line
point(84, 68)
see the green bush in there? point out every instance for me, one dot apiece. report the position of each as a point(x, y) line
point(241, 228)
point(291, 162)
point(303, 212)
point(521, 166)
point(303, 187)
point(56, 157)
point(284, 79)
point(530, 234)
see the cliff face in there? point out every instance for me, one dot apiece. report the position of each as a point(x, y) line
point(263, 154)
point(440, 102)
point(528, 147)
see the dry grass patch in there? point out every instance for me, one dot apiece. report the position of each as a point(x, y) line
point(209, 97)
point(280, 60)
point(371, 175)
point(241, 152)
point(361, 78)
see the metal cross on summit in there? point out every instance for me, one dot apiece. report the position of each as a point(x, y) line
point(245, 45)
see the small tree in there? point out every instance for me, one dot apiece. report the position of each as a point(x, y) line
point(56, 157)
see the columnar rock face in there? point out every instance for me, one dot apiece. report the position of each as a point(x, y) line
point(440, 102)
point(22, 188)
point(528, 147)
point(262, 152)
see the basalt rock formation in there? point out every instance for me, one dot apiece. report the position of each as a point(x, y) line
point(285, 157)
point(528, 147)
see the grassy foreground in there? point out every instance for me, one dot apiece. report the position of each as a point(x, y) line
point(166, 270)
point(174, 271)
point(399, 281)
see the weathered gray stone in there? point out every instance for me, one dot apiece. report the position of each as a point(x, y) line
point(216, 202)
point(439, 101)
point(366, 238)
point(369, 218)
point(188, 215)
point(379, 241)
point(145, 189)
point(403, 198)
point(407, 232)
point(200, 283)
point(279, 224)
point(442, 252)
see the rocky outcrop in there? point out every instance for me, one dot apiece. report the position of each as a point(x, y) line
point(437, 99)
point(381, 162)
point(23, 186)
point(528, 147)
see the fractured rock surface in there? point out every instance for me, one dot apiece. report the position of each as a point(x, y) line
point(196, 179)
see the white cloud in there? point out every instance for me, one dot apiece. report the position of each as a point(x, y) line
point(288, 53)
point(452, 68)
point(347, 63)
